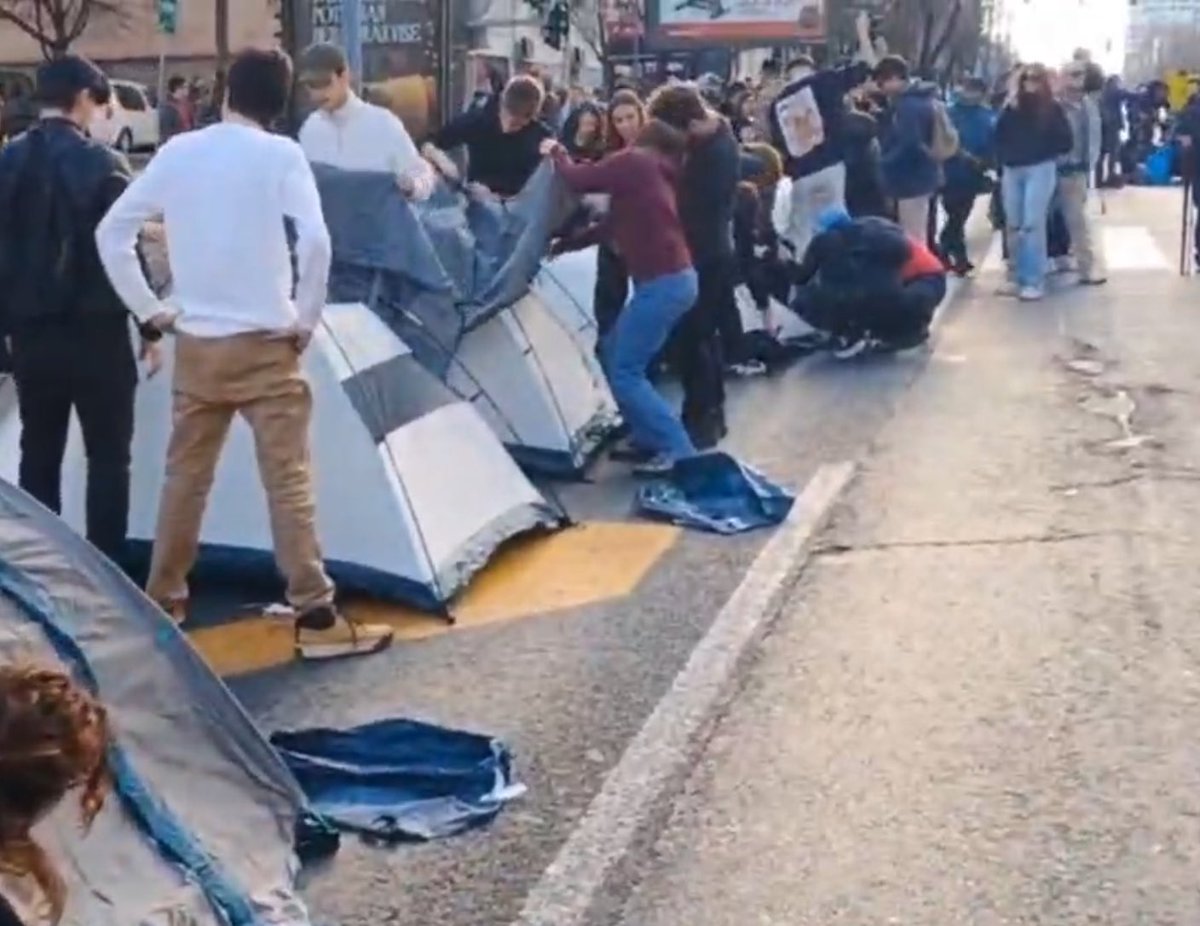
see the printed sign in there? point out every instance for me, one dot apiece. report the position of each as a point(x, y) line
point(800, 122)
point(739, 21)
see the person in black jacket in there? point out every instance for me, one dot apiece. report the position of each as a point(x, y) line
point(67, 329)
point(706, 200)
point(849, 283)
point(1032, 132)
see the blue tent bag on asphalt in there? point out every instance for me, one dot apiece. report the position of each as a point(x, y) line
point(1158, 166)
point(714, 492)
point(397, 780)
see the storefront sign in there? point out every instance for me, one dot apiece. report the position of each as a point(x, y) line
point(744, 22)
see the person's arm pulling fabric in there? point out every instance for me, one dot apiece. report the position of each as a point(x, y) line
point(413, 173)
point(607, 176)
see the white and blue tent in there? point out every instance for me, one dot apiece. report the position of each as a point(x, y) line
point(202, 825)
point(414, 491)
point(453, 280)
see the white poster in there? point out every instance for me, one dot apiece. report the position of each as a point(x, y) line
point(800, 122)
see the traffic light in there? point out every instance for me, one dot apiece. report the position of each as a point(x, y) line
point(168, 16)
point(557, 24)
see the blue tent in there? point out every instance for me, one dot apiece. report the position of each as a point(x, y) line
point(203, 824)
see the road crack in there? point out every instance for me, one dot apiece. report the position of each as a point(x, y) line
point(840, 549)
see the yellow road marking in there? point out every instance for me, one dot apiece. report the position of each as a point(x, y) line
point(584, 565)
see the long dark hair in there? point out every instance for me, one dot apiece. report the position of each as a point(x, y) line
point(612, 138)
point(1039, 102)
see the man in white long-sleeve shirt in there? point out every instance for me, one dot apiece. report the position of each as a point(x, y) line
point(349, 133)
point(224, 193)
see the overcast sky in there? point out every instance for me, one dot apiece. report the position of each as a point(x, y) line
point(1049, 30)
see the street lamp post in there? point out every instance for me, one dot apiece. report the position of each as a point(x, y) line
point(352, 37)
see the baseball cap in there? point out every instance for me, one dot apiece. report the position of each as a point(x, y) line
point(320, 63)
point(60, 81)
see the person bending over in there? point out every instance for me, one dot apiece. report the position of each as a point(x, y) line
point(502, 140)
point(868, 285)
point(644, 227)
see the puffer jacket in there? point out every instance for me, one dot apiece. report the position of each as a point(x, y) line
point(909, 167)
point(858, 259)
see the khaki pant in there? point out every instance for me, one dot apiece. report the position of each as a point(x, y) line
point(913, 216)
point(1073, 198)
point(258, 377)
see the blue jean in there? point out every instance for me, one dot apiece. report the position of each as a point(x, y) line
point(1027, 192)
point(628, 350)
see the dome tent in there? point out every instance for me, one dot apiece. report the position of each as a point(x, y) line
point(63, 605)
point(414, 492)
point(453, 282)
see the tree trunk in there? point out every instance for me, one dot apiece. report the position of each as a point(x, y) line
point(222, 22)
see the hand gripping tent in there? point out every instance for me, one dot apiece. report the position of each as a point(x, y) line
point(453, 281)
point(414, 491)
point(201, 826)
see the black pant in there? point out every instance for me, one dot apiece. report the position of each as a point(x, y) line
point(612, 288)
point(958, 204)
point(90, 369)
point(698, 342)
point(1058, 238)
point(895, 314)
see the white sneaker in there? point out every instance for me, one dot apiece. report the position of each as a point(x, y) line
point(1030, 294)
point(1007, 288)
point(658, 465)
point(849, 351)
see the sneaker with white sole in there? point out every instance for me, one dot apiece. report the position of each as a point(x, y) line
point(748, 368)
point(325, 634)
point(658, 465)
point(848, 350)
point(1030, 294)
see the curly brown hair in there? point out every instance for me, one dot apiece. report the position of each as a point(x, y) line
point(54, 738)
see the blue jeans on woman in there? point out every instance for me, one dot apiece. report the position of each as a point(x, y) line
point(1027, 192)
point(629, 348)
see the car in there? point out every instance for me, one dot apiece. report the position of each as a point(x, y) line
point(129, 122)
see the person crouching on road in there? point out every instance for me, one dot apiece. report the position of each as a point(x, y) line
point(644, 226)
point(224, 193)
point(1076, 170)
point(1032, 133)
point(868, 285)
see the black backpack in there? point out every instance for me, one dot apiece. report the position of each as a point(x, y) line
point(42, 232)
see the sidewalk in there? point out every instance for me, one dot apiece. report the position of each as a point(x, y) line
point(980, 707)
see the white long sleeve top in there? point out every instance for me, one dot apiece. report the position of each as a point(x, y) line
point(362, 136)
point(224, 193)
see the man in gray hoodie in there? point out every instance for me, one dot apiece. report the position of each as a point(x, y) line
point(1075, 171)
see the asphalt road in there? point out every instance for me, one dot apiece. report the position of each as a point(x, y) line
point(979, 707)
point(566, 690)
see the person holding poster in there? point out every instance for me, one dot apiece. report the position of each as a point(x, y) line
point(806, 123)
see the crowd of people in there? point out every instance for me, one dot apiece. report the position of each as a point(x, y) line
point(817, 188)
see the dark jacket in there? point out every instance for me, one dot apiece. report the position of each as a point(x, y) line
point(864, 173)
point(909, 167)
point(817, 106)
point(643, 221)
point(86, 178)
point(976, 127)
point(707, 191)
point(1025, 136)
point(501, 161)
point(856, 260)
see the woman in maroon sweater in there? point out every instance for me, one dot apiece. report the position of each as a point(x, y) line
point(644, 229)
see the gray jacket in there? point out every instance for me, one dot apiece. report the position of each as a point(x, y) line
point(1084, 116)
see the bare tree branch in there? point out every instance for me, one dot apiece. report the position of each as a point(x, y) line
point(56, 24)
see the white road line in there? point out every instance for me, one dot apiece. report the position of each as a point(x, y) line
point(667, 741)
point(1126, 247)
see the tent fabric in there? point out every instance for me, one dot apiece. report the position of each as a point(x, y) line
point(714, 492)
point(414, 491)
point(184, 747)
point(401, 779)
point(453, 282)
